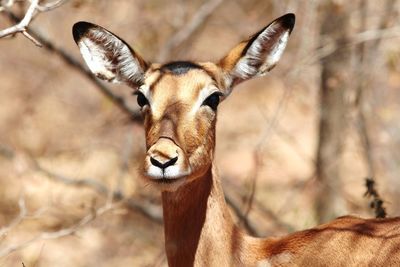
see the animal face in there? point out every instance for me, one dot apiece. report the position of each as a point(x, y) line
point(179, 100)
point(179, 103)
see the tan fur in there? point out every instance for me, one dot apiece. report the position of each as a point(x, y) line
point(198, 228)
point(180, 128)
point(229, 61)
point(200, 232)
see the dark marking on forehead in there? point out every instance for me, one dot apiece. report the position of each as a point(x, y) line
point(179, 67)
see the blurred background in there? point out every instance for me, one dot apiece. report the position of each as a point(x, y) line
point(293, 148)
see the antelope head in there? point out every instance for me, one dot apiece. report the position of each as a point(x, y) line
point(179, 100)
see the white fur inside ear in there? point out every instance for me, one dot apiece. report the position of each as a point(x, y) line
point(277, 51)
point(109, 58)
point(263, 53)
point(96, 61)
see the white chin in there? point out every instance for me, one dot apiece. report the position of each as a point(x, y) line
point(168, 184)
point(170, 173)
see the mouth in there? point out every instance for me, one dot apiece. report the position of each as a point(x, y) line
point(167, 184)
point(165, 180)
point(165, 177)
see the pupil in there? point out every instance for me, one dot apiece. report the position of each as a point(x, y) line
point(212, 101)
point(141, 100)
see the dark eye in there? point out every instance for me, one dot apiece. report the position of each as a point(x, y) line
point(212, 101)
point(142, 100)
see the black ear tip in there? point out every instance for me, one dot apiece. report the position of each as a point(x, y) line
point(80, 29)
point(288, 21)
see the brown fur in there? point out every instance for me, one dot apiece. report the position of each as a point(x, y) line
point(180, 128)
point(199, 230)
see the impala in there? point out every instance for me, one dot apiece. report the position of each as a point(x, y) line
point(179, 102)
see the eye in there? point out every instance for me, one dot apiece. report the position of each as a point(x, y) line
point(141, 99)
point(212, 101)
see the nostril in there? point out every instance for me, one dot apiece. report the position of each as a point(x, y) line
point(172, 161)
point(156, 162)
point(165, 164)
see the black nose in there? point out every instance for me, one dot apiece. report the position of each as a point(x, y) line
point(165, 164)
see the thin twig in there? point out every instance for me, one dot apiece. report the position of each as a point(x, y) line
point(153, 212)
point(23, 24)
point(198, 19)
point(257, 152)
point(149, 210)
point(61, 233)
point(377, 202)
point(80, 182)
point(364, 76)
point(260, 207)
point(274, 217)
point(258, 164)
point(119, 101)
point(22, 214)
point(362, 86)
point(362, 37)
point(241, 215)
point(50, 6)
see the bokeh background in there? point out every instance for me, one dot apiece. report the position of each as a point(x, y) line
point(293, 147)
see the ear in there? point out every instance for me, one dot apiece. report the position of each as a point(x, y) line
point(108, 56)
point(260, 53)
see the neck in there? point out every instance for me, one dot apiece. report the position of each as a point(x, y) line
point(199, 230)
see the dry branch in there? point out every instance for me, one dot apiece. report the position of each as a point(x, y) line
point(231, 195)
point(119, 101)
point(366, 55)
point(150, 211)
point(50, 6)
point(22, 25)
point(61, 233)
point(198, 19)
point(241, 215)
point(376, 202)
point(22, 214)
point(365, 36)
point(364, 75)
point(270, 124)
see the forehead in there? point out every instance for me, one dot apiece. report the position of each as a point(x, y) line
point(183, 80)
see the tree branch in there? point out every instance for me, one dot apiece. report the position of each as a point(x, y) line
point(151, 211)
point(22, 214)
point(198, 19)
point(359, 38)
point(119, 101)
point(50, 6)
point(241, 215)
point(21, 26)
point(61, 233)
